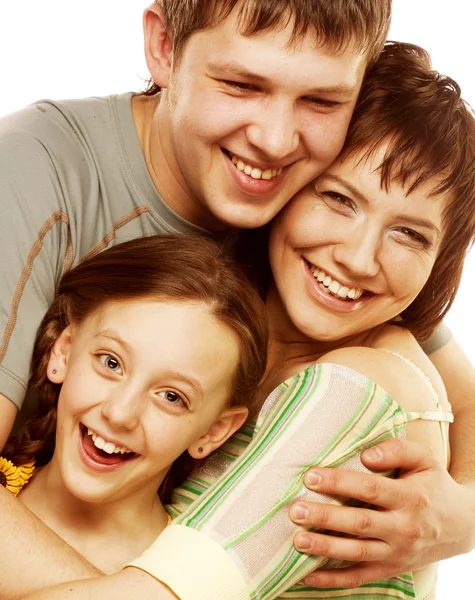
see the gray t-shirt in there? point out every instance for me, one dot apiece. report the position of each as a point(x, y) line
point(73, 181)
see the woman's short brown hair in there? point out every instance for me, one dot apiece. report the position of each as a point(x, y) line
point(430, 133)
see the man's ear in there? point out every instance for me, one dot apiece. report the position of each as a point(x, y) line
point(58, 358)
point(222, 429)
point(158, 45)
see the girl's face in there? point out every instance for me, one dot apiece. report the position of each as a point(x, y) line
point(346, 255)
point(142, 381)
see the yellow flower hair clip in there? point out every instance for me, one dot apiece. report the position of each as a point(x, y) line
point(14, 478)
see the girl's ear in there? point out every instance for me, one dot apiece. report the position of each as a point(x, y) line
point(58, 358)
point(222, 429)
point(158, 45)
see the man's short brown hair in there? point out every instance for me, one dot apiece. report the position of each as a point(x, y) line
point(339, 25)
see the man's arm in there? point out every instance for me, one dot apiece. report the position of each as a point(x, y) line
point(32, 556)
point(428, 514)
point(8, 412)
point(458, 375)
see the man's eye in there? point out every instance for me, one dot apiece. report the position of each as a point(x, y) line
point(321, 102)
point(239, 85)
point(172, 397)
point(110, 362)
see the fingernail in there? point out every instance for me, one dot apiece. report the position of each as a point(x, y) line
point(311, 581)
point(313, 479)
point(373, 454)
point(299, 512)
point(303, 542)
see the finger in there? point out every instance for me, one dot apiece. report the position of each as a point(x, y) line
point(400, 454)
point(348, 577)
point(360, 522)
point(319, 544)
point(366, 487)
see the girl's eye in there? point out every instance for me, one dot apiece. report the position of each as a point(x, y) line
point(111, 363)
point(172, 397)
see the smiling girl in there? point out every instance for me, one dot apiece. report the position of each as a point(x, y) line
point(148, 359)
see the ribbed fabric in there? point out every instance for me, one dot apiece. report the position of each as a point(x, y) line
point(325, 416)
point(192, 555)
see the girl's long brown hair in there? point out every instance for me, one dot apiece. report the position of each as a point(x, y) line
point(174, 267)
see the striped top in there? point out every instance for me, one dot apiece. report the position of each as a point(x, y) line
point(325, 416)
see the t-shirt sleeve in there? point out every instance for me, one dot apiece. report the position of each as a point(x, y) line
point(34, 246)
point(440, 338)
point(325, 416)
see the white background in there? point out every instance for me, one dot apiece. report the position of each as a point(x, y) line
point(58, 49)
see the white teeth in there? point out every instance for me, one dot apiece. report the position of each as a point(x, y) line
point(99, 442)
point(343, 292)
point(330, 285)
point(255, 172)
point(108, 447)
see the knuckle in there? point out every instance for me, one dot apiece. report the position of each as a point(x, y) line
point(422, 502)
point(363, 522)
point(323, 517)
point(360, 552)
point(412, 533)
point(356, 581)
point(370, 489)
point(324, 545)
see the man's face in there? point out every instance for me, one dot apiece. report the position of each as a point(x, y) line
point(248, 122)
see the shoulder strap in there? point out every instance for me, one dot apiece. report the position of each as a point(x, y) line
point(430, 415)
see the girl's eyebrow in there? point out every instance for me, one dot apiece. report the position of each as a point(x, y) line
point(110, 334)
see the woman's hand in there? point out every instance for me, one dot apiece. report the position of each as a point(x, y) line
point(424, 516)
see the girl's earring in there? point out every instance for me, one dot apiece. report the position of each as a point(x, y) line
point(54, 371)
point(200, 449)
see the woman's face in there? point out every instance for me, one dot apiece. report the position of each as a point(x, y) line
point(347, 255)
point(143, 381)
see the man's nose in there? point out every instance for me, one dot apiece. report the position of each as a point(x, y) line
point(274, 130)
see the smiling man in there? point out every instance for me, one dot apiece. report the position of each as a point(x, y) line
point(256, 100)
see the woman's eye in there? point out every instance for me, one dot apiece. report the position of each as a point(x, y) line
point(415, 237)
point(171, 397)
point(338, 199)
point(111, 363)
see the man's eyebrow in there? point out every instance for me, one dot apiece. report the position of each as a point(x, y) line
point(239, 71)
point(358, 194)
